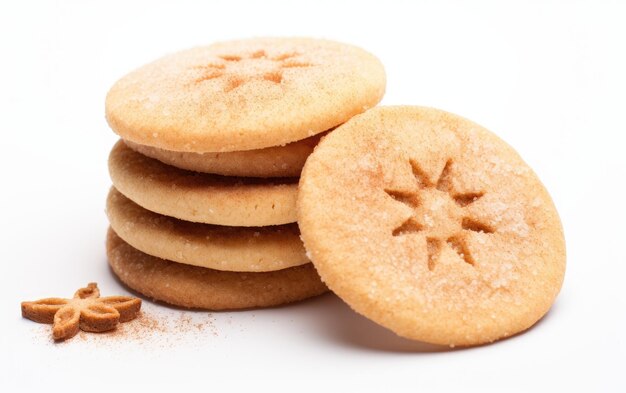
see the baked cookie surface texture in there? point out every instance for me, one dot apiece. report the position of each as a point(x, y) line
point(431, 226)
point(202, 197)
point(273, 161)
point(197, 287)
point(242, 249)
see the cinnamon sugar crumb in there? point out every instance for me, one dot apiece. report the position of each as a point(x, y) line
point(152, 326)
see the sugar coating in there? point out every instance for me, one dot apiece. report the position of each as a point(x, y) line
point(244, 95)
point(432, 226)
point(201, 197)
point(275, 161)
point(197, 287)
point(217, 247)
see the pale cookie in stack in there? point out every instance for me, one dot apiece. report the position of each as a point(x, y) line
point(431, 226)
point(214, 138)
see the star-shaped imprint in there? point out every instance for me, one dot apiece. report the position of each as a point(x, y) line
point(86, 311)
point(439, 214)
point(236, 70)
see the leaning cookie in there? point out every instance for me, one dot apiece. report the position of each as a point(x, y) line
point(244, 95)
point(431, 226)
point(196, 287)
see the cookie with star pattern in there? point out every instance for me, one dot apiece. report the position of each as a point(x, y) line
point(245, 94)
point(431, 226)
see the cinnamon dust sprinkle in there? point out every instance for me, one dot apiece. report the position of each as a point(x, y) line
point(154, 327)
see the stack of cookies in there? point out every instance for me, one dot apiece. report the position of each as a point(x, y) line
point(420, 220)
point(203, 208)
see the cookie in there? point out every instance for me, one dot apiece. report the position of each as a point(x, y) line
point(86, 311)
point(201, 197)
point(244, 95)
point(217, 247)
point(431, 226)
point(197, 287)
point(276, 161)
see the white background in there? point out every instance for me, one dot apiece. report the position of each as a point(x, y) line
point(547, 76)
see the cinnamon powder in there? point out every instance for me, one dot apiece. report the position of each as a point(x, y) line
point(159, 328)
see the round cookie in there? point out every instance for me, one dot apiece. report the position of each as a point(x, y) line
point(217, 247)
point(275, 161)
point(197, 287)
point(201, 197)
point(245, 94)
point(431, 226)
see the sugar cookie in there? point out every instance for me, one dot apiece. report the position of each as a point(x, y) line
point(217, 247)
point(197, 287)
point(275, 161)
point(431, 226)
point(244, 95)
point(201, 197)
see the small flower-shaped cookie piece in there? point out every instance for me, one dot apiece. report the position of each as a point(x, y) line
point(86, 311)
